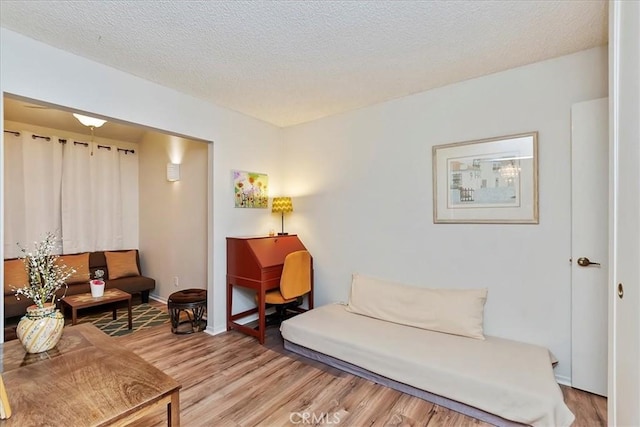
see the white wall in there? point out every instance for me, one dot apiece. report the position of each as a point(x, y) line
point(34, 70)
point(173, 215)
point(363, 196)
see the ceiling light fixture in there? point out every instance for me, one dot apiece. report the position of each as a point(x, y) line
point(92, 122)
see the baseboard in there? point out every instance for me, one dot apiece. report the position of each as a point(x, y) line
point(221, 329)
point(157, 298)
point(215, 331)
point(563, 380)
point(248, 319)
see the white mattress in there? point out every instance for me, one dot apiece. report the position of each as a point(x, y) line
point(511, 379)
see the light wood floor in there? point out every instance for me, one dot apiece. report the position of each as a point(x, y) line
point(231, 380)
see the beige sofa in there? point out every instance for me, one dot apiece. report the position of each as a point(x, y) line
point(430, 343)
point(121, 270)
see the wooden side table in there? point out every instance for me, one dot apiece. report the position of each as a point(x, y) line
point(80, 301)
point(88, 379)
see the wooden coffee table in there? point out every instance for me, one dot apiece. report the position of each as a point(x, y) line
point(81, 301)
point(88, 379)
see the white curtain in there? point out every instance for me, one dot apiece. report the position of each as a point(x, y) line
point(14, 224)
point(33, 178)
point(99, 198)
point(77, 218)
point(86, 193)
point(106, 198)
point(128, 162)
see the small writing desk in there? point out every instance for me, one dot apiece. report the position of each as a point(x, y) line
point(256, 263)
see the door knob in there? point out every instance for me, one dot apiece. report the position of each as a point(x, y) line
point(584, 262)
point(620, 291)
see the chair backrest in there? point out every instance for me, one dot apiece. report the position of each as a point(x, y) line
point(296, 275)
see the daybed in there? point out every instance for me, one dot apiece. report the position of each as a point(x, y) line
point(500, 381)
point(121, 270)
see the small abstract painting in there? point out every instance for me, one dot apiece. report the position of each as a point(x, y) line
point(251, 189)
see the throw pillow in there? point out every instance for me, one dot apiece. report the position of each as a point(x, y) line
point(80, 263)
point(15, 274)
point(453, 311)
point(121, 264)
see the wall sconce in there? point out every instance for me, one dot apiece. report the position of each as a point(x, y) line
point(282, 205)
point(173, 172)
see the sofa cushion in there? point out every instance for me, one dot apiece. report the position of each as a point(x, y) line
point(80, 263)
point(15, 275)
point(132, 284)
point(121, 264)
point(453, 311)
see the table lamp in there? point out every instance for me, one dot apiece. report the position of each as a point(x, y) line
point(282, 205)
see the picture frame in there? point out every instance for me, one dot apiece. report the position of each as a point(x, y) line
point(486, 181)
point(250, 189)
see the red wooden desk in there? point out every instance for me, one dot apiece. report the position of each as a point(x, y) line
point(256, 263)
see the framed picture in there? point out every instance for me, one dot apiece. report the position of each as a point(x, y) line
point(251, 189)
point(488, 181)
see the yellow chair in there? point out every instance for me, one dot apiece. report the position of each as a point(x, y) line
point(295, 282)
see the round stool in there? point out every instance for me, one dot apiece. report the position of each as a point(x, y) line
point(194, 303)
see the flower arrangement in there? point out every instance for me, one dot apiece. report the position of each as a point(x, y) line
point(97, 284)
point(46, 275)
point(99, 276)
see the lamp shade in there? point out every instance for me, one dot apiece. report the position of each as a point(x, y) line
point(89, 121)
point(282, 204)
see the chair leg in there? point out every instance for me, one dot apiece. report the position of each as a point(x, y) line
point(281, 313)
point(274, 318)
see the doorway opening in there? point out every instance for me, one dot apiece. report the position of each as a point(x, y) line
point(174, 219)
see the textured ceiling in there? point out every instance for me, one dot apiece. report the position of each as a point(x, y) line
point(288, 62)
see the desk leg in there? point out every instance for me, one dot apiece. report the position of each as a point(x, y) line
point(173, 410)
point(229, 303)
point(129, 313)
point(261, 314)
point(74, 316)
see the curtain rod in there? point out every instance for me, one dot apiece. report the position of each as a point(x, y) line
point(64, 141)
point(124, 150)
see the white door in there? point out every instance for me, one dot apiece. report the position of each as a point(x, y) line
point(624, 90)
point(589, 244)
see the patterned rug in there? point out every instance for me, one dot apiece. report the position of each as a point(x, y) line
point(144, 316)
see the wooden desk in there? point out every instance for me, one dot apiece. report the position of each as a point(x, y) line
point(86, 380)
point(256, 263)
